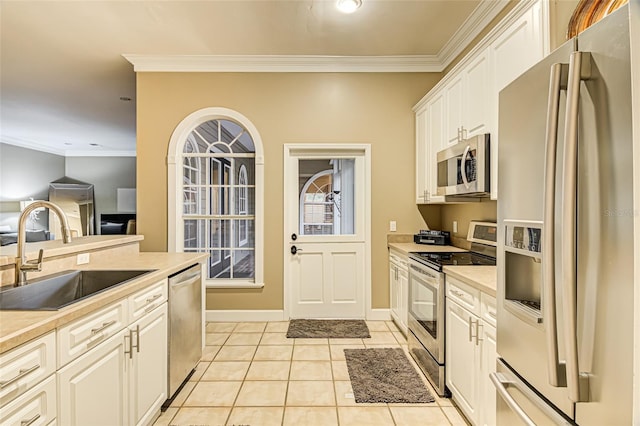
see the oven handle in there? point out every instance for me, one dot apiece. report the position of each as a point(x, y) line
point(463, 167)
point(427, 275)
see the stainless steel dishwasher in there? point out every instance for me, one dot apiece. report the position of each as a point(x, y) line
point(185, 326)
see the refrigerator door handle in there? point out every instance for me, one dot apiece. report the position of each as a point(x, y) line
point(502, 381)
point(557, 82)
point(579, 69)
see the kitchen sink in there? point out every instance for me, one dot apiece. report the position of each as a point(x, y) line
point(64, 288)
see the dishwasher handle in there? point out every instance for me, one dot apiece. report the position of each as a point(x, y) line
point(186, 277)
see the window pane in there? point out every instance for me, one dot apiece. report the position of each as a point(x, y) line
point(327, 194)
point(243, 264)
point(244, 233)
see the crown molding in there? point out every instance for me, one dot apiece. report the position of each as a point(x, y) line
point(63, 152)
point(481, 16)
point(283, 63)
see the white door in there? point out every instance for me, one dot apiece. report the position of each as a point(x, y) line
point(327, 216)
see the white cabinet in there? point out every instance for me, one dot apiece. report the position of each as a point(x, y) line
point(28, 383)
point(430, 138)
point(399, 289)
point(92, 390)
point(518, 47)
point(148, 366)
point(471, 351)
point(121, 375)
point(465, 102)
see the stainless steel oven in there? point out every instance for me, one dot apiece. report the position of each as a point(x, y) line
point(426, 321)
point(464, 168)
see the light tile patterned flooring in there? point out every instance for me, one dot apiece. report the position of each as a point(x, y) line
point(251, 374)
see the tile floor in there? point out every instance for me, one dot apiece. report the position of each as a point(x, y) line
point(251, 374)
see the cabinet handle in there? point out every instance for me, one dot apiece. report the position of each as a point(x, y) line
point(478, 329)
point(471, 336)
point(30, 421)
point(104, 326)
point(23, 372)
point(154, 298)
point(457, 293)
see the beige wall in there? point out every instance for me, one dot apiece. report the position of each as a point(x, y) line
point(288, 108)
point(463, 214)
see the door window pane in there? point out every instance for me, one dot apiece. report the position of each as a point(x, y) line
point(327, 196)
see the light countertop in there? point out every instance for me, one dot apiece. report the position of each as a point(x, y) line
point(17, 327)
point(53, 248)
point(406, 248)
point(481, 277)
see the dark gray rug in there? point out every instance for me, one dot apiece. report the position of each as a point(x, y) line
point(385, 375)
point(340, 329)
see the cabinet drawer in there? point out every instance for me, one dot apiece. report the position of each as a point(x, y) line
point(488, 311)
point(35, 407)
point(146, 300)
point(78, 337)
point(23, 367)
point(468, 297)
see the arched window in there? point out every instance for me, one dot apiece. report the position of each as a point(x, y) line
point(215, 155)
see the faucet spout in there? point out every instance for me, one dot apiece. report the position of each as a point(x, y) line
point(22, 265)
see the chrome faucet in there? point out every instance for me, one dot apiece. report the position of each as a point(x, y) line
point(22, 264)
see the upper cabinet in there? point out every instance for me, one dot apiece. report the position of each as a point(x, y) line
point(465, 102)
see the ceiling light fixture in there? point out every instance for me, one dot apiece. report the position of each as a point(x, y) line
point(348, 6)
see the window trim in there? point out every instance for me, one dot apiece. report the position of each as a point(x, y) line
point(175, 233)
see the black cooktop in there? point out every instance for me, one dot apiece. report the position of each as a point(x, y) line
point(439, 259)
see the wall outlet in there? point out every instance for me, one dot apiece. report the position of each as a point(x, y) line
point(392, 226)
point(82, 258)
point(455, 226)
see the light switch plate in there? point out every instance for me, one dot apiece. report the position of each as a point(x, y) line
point(82, 258)
point(455, 226)
point(392, 226)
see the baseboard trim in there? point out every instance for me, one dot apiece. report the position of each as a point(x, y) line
point(379, 315)
point(244, 315)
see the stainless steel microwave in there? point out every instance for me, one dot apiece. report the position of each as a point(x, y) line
point(464, 169)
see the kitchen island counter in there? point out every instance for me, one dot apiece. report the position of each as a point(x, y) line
point(18, 327)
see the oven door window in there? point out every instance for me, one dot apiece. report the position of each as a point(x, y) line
point(423, 306)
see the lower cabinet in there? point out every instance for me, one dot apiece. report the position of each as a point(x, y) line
point(148, 357)
point(399, 289)
point(92, 390)
point(122, 380)
point(471, 351)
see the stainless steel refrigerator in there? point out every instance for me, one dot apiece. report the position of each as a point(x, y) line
point(565, 232)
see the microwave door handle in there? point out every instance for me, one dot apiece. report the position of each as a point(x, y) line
point(577, 384)
point(557, 82)
point(463, 167)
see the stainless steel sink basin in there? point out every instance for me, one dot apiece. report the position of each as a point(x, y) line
point(58, 290)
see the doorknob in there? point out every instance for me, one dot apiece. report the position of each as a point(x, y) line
point(294, 236)
point(295, 249)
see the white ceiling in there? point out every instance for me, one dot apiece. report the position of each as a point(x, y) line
point(62, 70)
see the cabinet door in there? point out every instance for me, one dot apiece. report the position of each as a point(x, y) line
point(488, 354)
point(436, 140)
point(92, 389)
point(394, 290)
point(453, 93)
point(148, 379)
point(403, 285)
point(477, 89)
point(461, 359)
point(422, 157)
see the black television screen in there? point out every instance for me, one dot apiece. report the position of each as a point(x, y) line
point(113, 224)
